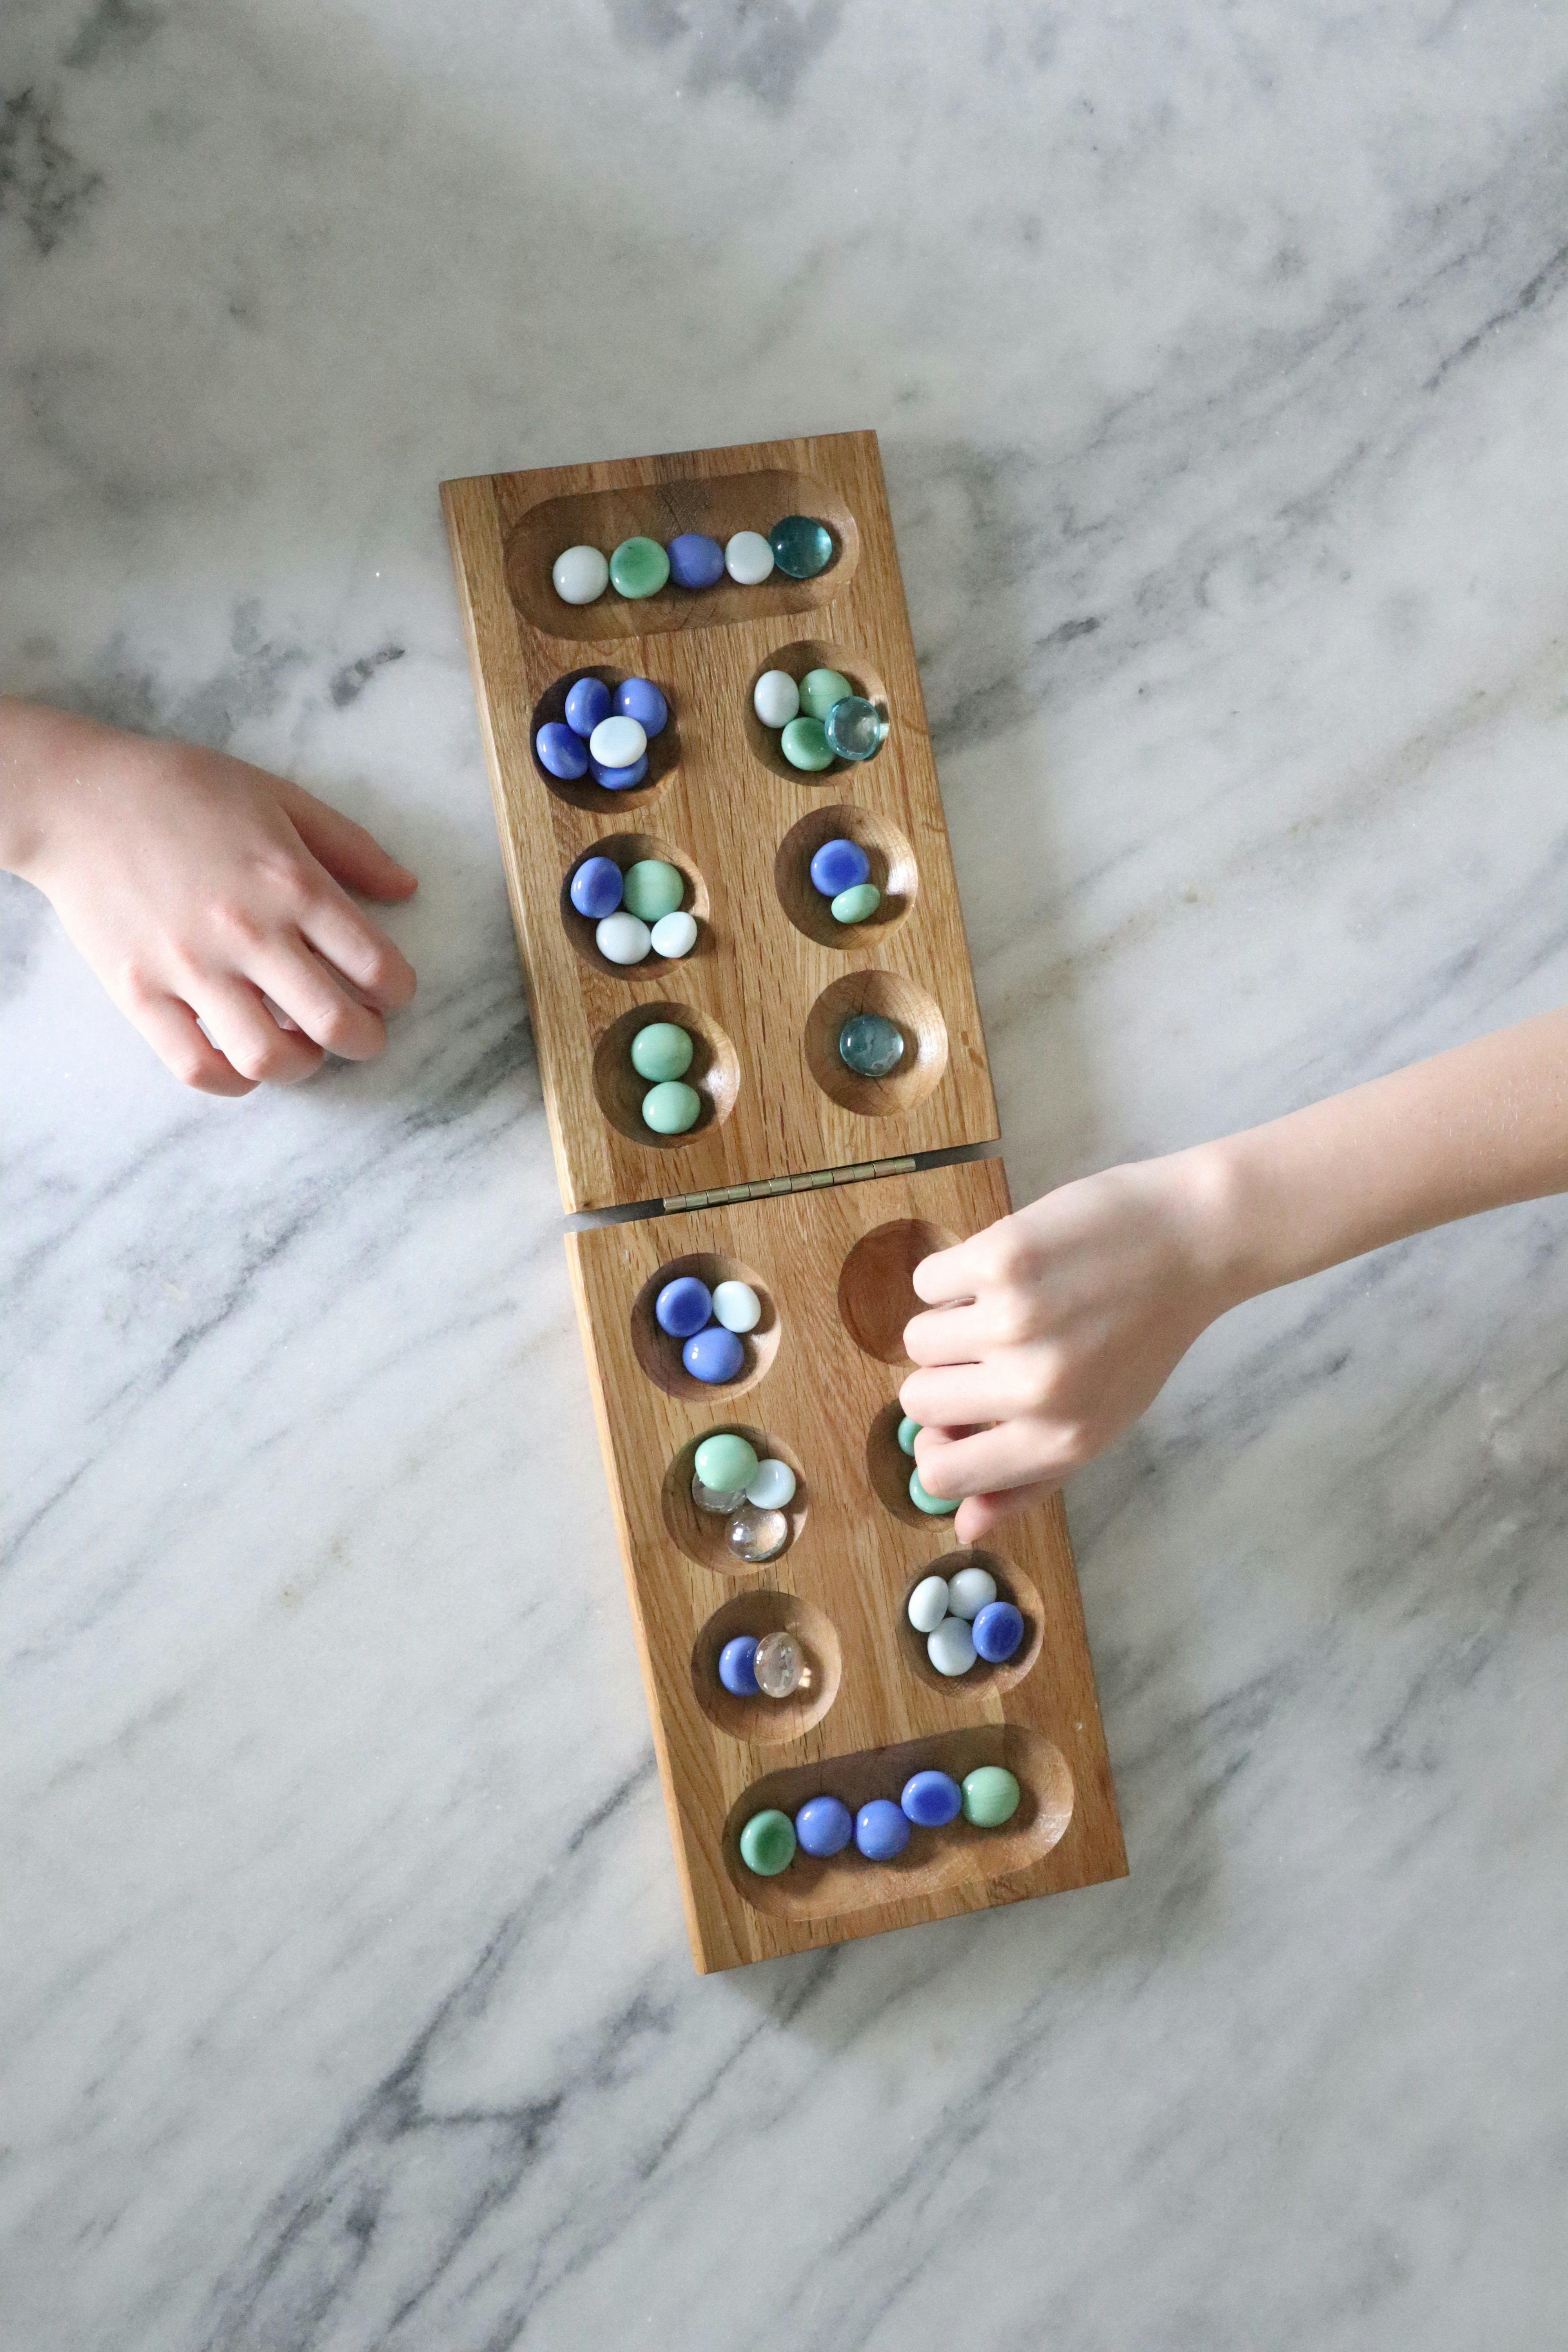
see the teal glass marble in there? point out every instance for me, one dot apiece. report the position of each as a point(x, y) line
point(908, 1431)
point(928, 1503)
point(854, 728)
point(801, 547)
point(870, 1044)
point(821, 688)
point(805, 745)
point(855, 905)
point(671, 1107)
point(661, 1051)
point(767, 1843)
point(639, 567)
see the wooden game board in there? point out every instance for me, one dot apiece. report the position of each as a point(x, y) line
point(800, 1179)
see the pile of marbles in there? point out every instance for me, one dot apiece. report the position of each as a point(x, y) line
point(932, 1504)
point(987, 1798)
point(606, 735)
point(710, 1326)
point(841, 873)
point(800, 547)
point(661, 1052)
point(772, 1667)
point(819, 719)
point(962, 1620)
point(637, 913)
point(728, 1482)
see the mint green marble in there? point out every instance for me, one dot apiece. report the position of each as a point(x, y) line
point(857, 905)
point(821, 688)
point(639, 567)
point(805, 745)
point(662, 1050)
point(725, 1462)
point(671, 1107)
point(908, 1431)
point(928, 1503)
point(767, 1843)
point(652, 888)
point(990, 1796)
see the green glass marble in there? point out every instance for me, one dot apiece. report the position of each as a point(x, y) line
point(928, 1503)
point(767, 1843)
point(801, 547)
point(990, 1796)
point(671, 1107)
point(639, 567)
point(652, 888)
point(662, 1050)
point(870, 1044)
point(857, 905)
point(821, 688)
point(856, 727)
point(805, 745)
point(725, 1462)
point(908, 1431)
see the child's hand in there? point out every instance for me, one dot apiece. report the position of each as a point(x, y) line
point(1055, 1328)
point(197, 887)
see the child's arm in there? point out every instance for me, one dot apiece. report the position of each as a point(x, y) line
point(1080, 1307)
point(196, 885)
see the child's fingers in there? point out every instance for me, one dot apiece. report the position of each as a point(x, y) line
point(965, 1396)
point(172, 1030)
point(1014, 1453)
point(354, 856)
point(979, 1514)
point(350, 940)
point(241, 1027)
point(303, 988)
point(948, 1335)
point(948, 1274)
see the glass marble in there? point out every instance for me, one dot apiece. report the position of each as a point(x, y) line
point(587, 701)
point(881, 1831)
point(714, 1356)
point(908, 1431)
point(595, 889)
point(621, 939)
point(856, 727)
point(653, 888)
point(840, 865)
point(579, 574)
point(617, 780)
point(717, 1502)
point(775, 698)
point(998, 1631)
point(990, 1796)
point(931, 1799)
point(671, 1108)
point(664, 1050)
point(857, 905)
point(748, 558)
point(805, 745)
point(930, 1504)
point(725, 1462)
point(950, 1646)
point(773, 1486)
point(560, 749)
point(639, 567)
point(757, 1535)
point(767, 1843)
point(821, 688)
point(780, 1665)
point(695, 560)
point(823, 1827)
point(737, 1306)
point(684, 1305)
point(615, 742)
point(970, 1590)
point(928, 1603)
point(738, 1666)
point(675, 935)
point(639, 698)
point(801, 546)
point(870, 1044)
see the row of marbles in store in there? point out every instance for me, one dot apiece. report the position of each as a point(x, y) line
point(797, 545)
point(987, 1798)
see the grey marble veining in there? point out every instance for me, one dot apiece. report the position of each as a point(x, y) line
point(1218, 357)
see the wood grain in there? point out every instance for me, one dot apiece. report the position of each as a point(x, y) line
point(721, 801)
point(833, 1269)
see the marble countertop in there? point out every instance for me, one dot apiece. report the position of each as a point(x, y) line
point(1218, 361)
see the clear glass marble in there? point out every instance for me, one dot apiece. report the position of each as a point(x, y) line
point(870, 1044)
point(715, 1501)
point(779, 1664)
point(757, 1535)
point(854, 728)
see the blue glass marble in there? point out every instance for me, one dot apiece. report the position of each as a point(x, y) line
point(560, 752)
point(998, 1629)
point(639, 698)
point(587, 703)
point(881, 1831)
point(802, 548)
point(683, 1306)
point(824, 1826)
point(617, 780)
point(713, 1355)
point(737, 1669)
point(931, 1799)
point(695, 562)
point(596, 888)
point(840, 865)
